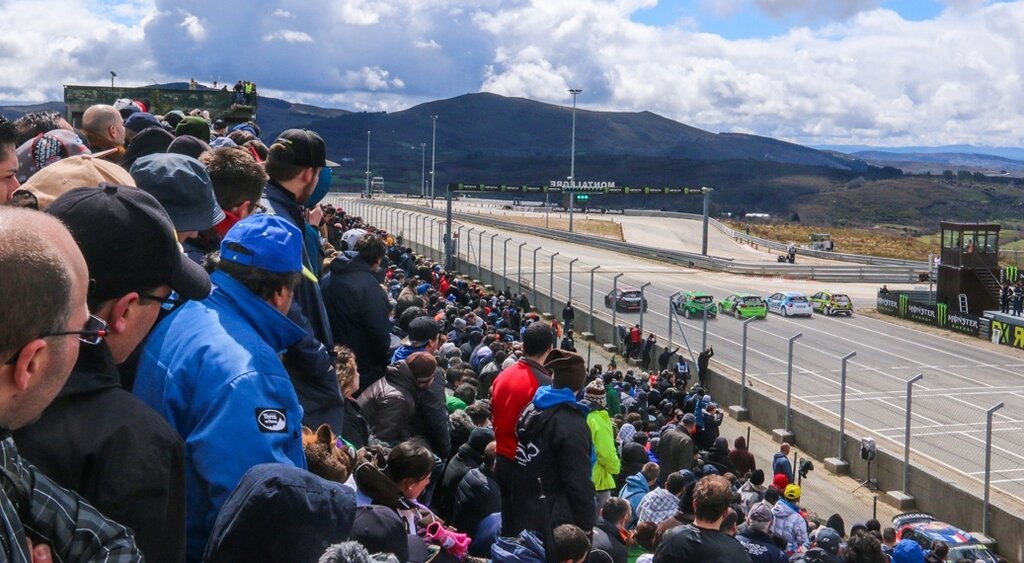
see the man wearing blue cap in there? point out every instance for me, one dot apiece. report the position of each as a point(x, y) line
point(211, 369)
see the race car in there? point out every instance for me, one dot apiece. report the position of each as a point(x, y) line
point(694, 303)
point(832, 303)
point(789, 303)
point(923, 528)
point(745, 305)
point(626, 299)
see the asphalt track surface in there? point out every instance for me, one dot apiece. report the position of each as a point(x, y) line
point(961, 380)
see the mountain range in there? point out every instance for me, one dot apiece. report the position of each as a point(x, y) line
point(487, 138)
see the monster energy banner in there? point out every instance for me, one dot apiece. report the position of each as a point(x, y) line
point(1011, 273)
point(556, 187)
point(939, 315)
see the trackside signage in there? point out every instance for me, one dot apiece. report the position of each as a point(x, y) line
point(1010, 334)
point(938, 315)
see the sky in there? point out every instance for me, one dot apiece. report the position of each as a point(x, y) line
point(816, 72)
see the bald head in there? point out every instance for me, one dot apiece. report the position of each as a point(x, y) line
point(103, 126)
point(43, 290)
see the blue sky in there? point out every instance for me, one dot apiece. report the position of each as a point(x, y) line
point(748, 21)
point(821, 72)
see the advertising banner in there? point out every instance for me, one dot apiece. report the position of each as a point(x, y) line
point(937, 315)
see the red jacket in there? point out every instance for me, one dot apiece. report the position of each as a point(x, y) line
point(512, 390)
point(635, 335)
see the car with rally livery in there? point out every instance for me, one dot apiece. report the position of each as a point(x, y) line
point(626, 299)
point(694, 304)
point(745, 305)
point(831, 303)
point(923, 528)
point(789, 303)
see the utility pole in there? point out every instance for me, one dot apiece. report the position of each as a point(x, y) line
point(433, 155)
point(572, 159)
point(367, 164)
point(423, 169)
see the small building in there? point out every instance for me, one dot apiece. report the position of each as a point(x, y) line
point(969, 266)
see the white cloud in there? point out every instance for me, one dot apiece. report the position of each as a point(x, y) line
point(194, 27)
point(289, 36)
point(868, 77)
point(372, 79)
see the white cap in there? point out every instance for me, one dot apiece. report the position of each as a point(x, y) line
point(351, 236)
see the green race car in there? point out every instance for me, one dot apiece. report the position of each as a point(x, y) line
point(745, 305)
point(694, 304)
point(832, 303)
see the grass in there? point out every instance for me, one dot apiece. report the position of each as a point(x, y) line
point(888, 243)
point(596, 227)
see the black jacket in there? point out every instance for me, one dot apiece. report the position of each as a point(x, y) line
point(608, 540)
point(633, 459)
point(476, 497)
point(458, 467)
point(100, 441)
point(555, 448)
point(358, 311)
point(309, 363)
point(397, 409)
point(281, 513)
point(690, 543)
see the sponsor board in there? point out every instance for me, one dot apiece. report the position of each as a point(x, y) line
point(938, 315)
point(1010, 334)
point(557, 187)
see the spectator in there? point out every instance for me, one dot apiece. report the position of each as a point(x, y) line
point(825, 548)
point(469, 456)
point(513, 389)
point(635, 340)
point(568, 342)
point(104, 130)
point(646, 356)
point(477, 495)
point(888, 540)
point(612, 395)
point(634, 455)
point(396, 405)
point(781, 463)
point(938, 553)
point(211, 369)
point(607, 463)
point(741, 458)
point(8, 161)
point(61, 177)
point(864, 548)
point(665, 357)
point(675, 449)
point(424, 336)
point(610, 534)
point(702, 540)
point(702, 365)
point(80, 438)
point(553, 455)
point(358, 308)
point(661, 503)
point(907, 551)
point(356, 430)
point(294, 164)
point(149, 141)
point(568, 315)
point(571, 544)
point(789, 523)
point(718, 456)
point(756, 539)
point(752, 491)
point(638, 486)
point(182, 186)
point(43, 306)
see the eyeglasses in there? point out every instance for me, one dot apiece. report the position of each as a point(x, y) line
point(92, 334)
point(171, 302)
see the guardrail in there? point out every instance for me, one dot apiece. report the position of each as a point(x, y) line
point(826, 273)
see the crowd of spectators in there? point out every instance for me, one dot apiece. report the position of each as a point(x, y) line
point(203, 363)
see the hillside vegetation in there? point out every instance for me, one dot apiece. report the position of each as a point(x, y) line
point(889, 243)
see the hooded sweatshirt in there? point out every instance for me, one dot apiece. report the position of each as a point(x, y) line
point(742, 458)
point(635, 490)
point(553, 448)
point(789, 524)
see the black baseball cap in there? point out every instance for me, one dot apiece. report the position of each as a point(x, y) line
point(128, 242)
point(300, 147)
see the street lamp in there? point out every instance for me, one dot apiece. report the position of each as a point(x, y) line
point(572, 159)
point(423, 169)
point(112, 76)
point(367, 163)
point(433, 154)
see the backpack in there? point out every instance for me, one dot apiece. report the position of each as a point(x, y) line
point(524, 548)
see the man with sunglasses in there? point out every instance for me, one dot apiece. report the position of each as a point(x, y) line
point(42, 311)
point(97, 438)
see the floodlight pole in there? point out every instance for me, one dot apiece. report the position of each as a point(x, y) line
point(572, 161)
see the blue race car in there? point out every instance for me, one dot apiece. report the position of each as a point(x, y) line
point(925, 529)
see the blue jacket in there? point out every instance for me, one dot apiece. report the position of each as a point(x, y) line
point(781, 464)
point(634, 491)
point(211, 369)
